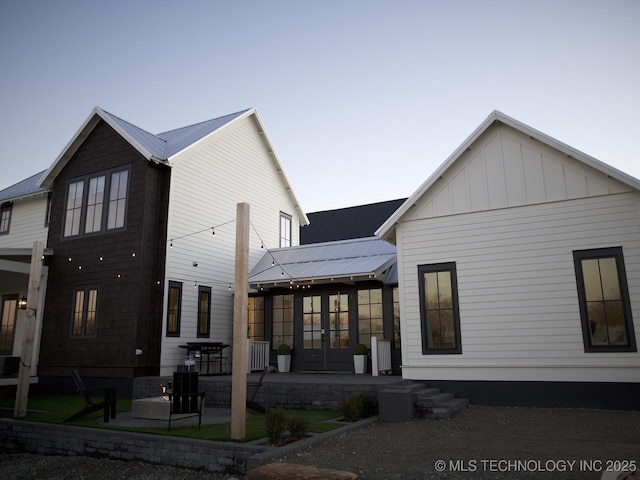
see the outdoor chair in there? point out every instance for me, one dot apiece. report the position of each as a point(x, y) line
point(186, 400)
point(251, 403)
point(108, 404)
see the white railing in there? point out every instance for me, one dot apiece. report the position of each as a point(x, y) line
point(257, 355)
point(380, 356)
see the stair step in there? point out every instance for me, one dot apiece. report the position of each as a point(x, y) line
point(441, 398)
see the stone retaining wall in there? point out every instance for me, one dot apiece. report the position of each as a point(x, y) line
point(309, 396)
point(50, 439)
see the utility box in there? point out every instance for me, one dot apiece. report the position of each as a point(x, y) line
point(395, 404)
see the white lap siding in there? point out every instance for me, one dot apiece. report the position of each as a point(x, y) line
point(519, 313)
point(207, 183)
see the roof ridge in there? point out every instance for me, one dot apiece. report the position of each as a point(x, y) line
point(202, 122)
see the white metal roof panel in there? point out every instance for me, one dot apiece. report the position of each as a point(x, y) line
point(357, 258)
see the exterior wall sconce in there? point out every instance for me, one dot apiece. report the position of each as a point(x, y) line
point(22, 303)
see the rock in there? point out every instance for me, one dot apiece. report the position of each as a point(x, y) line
point(293, 471)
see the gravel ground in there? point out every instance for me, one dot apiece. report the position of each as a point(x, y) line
point(477, 443)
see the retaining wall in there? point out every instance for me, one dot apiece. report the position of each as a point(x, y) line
point(50, 439)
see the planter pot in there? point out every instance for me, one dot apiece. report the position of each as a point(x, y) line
point(360, 363)
point(284, 363)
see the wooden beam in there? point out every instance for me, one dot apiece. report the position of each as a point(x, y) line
point(26, 353)
point(240, 303)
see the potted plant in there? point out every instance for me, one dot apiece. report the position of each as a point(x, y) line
point(284, 357)
point(360, 358)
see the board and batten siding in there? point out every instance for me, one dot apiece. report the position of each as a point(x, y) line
point(519, 312)
point(207, 183)
point(27, 223)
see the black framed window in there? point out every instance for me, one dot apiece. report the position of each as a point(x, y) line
point(439, 312)
point(47, 215)
point(370, 322)
point(89, 209)
point(285, 230)
point(605, 310)
point(8, 316)
point(256, 319)
point(204, 312)
point(282, 321)
point(85, 311)
point(5, 218)
point(174, 309)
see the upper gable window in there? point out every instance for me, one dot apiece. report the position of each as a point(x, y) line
point(5, 218)
point(604, 300)
point(85, 208)
point(285, 230)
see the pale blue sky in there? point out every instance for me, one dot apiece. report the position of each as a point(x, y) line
point(362, 99)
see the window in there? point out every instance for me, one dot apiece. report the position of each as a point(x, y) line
point(439, 314)
point(396, 319)
point(285, 230)
point(86, 201)
point(117, 199)
point(256, 319)
point(604, 300)
point(174, 309)
point(204, 311)
point(5, 218)
point(282, 321)
point(85, 309)
point(370, 315)
point(8, 324)
point(74, 209)
point(312, 321)
point(94, 205)
point(339, 321)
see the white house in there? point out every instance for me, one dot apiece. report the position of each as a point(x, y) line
point(140, 241)
point(519, 273)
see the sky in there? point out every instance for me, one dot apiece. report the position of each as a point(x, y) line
point(362, 99)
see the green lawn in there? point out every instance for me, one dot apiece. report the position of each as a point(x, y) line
point(54, 409)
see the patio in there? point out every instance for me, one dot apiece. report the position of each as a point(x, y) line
point(315, 391)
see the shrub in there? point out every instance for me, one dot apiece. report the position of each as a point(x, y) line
point(298, 427)
point(275, 421)
point(356, 407)
point(284, 349)
point(360, 349)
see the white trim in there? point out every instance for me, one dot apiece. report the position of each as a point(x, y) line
point(387, 230)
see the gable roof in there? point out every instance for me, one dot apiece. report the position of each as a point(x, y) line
point(346, 260)
point(344, 223)
point(23, 189)
point(158, 148)
point(387, 229)
point(163, 147)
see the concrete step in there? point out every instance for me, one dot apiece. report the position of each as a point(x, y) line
point(447, 409)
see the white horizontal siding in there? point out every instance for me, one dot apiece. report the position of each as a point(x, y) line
point(27, 223)
point(517, 287)
point(206, 186)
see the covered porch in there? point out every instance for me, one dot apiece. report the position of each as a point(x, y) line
point(323, 299)
point(15, 265)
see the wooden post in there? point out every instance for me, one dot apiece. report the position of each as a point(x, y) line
point(26, 353)
point(240, 302)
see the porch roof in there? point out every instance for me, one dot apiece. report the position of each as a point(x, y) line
point(344, 260)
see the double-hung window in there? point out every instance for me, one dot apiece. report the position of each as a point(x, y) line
point(603, 295)
point(439, 312)
point(174, 309)
point(5, 218)
point(85, 310)
point(204, 311)
point(285, 230)
point(96, 203)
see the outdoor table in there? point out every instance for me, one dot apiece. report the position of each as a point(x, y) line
point(208, 349)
